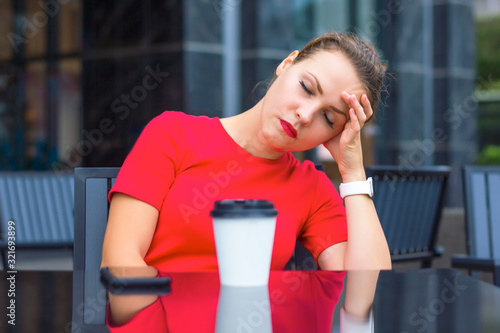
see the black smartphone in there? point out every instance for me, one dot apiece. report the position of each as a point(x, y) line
point(135, 286)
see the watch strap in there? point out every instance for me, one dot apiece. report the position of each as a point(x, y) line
point(359, 187)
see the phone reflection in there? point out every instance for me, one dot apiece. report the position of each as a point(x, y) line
point(293, 301)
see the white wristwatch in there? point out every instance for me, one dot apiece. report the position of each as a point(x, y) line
point(352, 188)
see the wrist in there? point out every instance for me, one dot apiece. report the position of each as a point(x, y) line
point(354, 177)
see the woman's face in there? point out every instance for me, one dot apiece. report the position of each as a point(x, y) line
point(304, 108)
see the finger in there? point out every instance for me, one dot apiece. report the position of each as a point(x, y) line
point(348, 101)
point(355, 124)
point(360, 112)
point(367, 106)
point(347, 98)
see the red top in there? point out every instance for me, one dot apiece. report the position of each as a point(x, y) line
point(182, 164)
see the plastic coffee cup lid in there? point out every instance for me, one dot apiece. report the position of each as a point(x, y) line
point(243, 208)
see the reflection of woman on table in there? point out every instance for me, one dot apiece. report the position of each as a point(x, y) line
point(294, 301)
point(181, 164)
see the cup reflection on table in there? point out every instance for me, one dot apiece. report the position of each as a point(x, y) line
point(243, 309)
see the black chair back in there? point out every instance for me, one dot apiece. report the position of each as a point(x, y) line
point(482, 199)
point(482, 212)
point(409, 204)
point(91, 215)
point(40, 205)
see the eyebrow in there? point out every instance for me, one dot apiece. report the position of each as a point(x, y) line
point(320, 90)
point(317, 84)
point(339, 111)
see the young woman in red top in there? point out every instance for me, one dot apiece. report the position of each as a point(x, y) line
point(323, 94)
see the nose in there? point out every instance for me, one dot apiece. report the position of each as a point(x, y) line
point(304, 115)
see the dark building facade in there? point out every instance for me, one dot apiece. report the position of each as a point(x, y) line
point(78, 88)
point(430, 117)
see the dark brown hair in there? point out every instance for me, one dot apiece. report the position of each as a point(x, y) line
point(370, 69)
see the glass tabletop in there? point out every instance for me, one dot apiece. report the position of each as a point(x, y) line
point(417, 300)
point(435, 300)
point(420, 300)
point(293, 301)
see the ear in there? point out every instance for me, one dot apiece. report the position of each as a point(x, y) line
point(286, 62)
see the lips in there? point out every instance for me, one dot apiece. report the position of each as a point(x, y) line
point(288, 128)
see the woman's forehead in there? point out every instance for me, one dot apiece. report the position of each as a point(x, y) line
point(333, 69)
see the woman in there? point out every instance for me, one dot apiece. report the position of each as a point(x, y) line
point(181, 164)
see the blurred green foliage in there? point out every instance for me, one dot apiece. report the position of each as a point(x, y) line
point(488, 50)
point(488, 122)
point(490, 155)
point(488, 89)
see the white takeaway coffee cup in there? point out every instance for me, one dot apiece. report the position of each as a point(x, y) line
point(244, 236)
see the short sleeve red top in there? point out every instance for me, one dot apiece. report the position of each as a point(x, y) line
point(182, 164)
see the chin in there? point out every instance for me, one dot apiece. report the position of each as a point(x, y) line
point(278, 146)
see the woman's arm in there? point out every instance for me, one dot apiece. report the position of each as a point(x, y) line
point(367, 247)
point(366, 251)
point(130, 229)
point(363, 256)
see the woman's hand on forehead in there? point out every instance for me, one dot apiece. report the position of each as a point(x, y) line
point(361, 105)
point(346, 147)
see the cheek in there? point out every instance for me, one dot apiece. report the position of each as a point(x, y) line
point(339, 126)
point(332, 134)
point(321, 135)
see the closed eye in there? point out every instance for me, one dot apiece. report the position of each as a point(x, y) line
point(305, 88)
point(330, 123)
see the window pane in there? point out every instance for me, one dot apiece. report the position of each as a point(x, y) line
point(36, 124)
point(114, 23)
point(312, 18)
point(8, 121)
point(371, 23)
point(70, 27)
point(5, 30)
point(69, 110)
point(34, 29)
point(332, 15)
